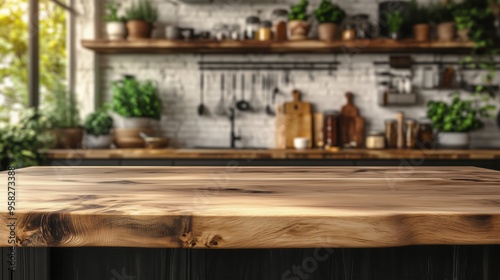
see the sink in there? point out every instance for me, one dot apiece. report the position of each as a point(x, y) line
point(227, 148)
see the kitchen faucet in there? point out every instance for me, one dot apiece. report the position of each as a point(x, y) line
point(233, 136)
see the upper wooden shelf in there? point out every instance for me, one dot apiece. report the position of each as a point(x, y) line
point(309, 46)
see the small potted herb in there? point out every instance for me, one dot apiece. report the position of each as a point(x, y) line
point(136, 102)
point(454, 120)
point(98, 127)
point(395, 21)
point(329, 16)
point(298, 24)
point(140, 19)
point(115, 24)
point(442, 15)
point(419, 18)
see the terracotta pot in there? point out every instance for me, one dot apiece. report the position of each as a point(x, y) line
point(422, 32)
point(446, 31)
point(463, 35)
point(328, 31)
point(139, 29)
point(68, 138)
point(116, 30)
point(299, 29)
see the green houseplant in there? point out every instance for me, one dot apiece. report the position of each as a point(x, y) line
point(21, 143)
point(298, 24)
point(442, 16)
point(98, 127)
point(455, 119)
point(329, 16)
point(65, 120)
point(418, 18)
point(136, 101)
point(141, 16)
point(395, 21)
point(115, 24)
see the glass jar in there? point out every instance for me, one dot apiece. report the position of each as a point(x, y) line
point(349, 33)
point(265, 33)
point(251, 28)
point(234, 31)
point(375, 140)
point(425, 133)
point(331, 129)
point(411, 134)
point(221, 31)
point(391, 134)
point(280, 19)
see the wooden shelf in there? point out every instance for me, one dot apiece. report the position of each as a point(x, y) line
point(309, 46)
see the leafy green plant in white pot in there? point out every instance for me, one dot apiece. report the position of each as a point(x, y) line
point(98, 126)
point(115, 24)
point(136, 102)
point(456, 119)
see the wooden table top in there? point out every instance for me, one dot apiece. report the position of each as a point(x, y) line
point(253, 207)
point(398, 154)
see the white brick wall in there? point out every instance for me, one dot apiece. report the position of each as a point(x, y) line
point(177, 77)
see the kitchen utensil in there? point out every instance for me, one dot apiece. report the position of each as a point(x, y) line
point(201, 107)
point(235, 87)
point(300, 143)
point(254, 101)
point(351, 124)
point(298, 120)
point(269, 108)
point(243, 105)
point(498, 119)
point(220, 109)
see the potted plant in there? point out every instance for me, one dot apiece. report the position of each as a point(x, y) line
point(464, 23)
point(140, 19)
point(475, 21)
point(136, 102)
point(65, 120)
point(329, 16)
point(98, 127)
point(298, 25)
point(21, 143)
point(419, 19)
point(454, 120)
point(395, 21)
point(442, 15)
point(115, 25)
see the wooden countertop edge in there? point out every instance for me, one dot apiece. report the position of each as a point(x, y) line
point(405, 154)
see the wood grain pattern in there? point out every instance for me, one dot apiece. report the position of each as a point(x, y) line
point(298, 121)
point(308, 46)
point(404, 155)
point(252, 207)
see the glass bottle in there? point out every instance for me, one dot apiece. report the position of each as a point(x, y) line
point(425, 133)
point(251, 28)
point(391, 135)
point(411, 134)
point(280, 19)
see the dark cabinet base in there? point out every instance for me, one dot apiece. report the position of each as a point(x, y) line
point(408, 263)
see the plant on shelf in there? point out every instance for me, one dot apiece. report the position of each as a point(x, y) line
point(395, 21)
point(418, 18)
point(21, 143)
point(454, 120)
point(329, 16)
point(133, 99)
point(115, 24)
point(98, 127)
point(65, 120)
point(299, 27)
point(442, 15)
point(140, 19)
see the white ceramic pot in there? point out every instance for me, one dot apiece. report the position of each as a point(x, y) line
point(301, 143)
point(132, 123)
point(116, 30)
point(98, 142)
point(453, 140)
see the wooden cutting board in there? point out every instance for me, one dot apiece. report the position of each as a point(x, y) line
point(293, 120)
point(352, 125)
